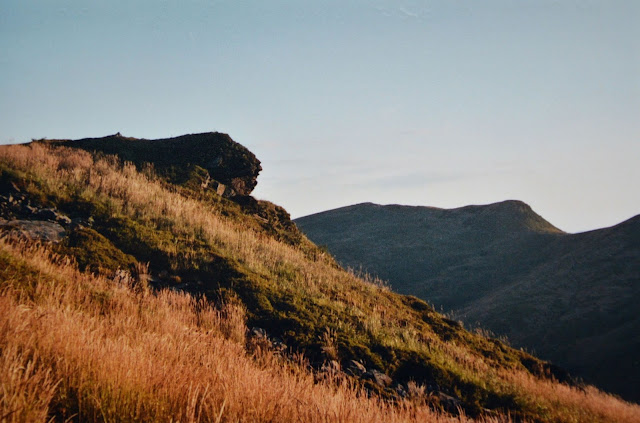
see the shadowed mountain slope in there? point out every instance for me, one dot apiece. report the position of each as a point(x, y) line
point(571, 298)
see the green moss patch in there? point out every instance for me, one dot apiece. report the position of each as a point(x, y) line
point(94, 252)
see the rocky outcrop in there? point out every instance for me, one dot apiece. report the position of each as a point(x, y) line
point(16, 205)
point(225, 161)
point(35, 230)
point(19, 218)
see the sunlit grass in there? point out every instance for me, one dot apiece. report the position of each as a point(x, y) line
point(84, 347)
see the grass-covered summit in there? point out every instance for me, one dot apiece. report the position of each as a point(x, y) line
point(166, 301)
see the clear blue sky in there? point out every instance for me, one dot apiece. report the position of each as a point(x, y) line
point(440, 103)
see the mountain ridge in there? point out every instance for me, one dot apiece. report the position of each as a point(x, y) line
point(505, 268)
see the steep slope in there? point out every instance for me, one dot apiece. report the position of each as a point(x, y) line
point(141, 231)
point(571, 298)
point(210, 165)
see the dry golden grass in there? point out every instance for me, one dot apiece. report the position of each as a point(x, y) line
point(81, 346)
point(107, 352)
point(568, 404)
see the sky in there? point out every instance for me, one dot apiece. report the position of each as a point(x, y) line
point(438, 103)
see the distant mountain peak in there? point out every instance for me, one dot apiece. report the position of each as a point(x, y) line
point(513, 215)
point(504, 216)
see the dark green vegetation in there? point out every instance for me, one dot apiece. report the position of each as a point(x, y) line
point(571, 298)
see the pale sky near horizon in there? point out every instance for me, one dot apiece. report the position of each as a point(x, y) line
point(436, 103)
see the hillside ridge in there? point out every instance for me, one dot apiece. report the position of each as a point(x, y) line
point(503, 267)
point(520, 212)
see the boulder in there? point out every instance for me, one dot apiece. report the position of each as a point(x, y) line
point(36, 230)
point(222, 189)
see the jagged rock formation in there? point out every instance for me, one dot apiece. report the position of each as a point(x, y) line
point(212, 157)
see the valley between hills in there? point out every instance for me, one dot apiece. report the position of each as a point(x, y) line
point(141, 281)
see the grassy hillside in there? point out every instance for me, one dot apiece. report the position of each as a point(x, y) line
point(133, 342)
point(571, 298)
point(82, 347)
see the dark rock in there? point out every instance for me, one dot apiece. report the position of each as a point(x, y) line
point(401, 391)
point(46, 214)
point(7, 185)
point(279, 347)
point(449, 404)
point(356, 368)
point(433, 387)
point(258, 333)
point(63, 220)
point(27, 209)
point(331, 366)
point(222, 189)
point(35, 230)
point(52, 215)
point(14, 187)
point(261, 337)
point(77, 222)
point(226, 161)
point(259, 340)
point(379, 378)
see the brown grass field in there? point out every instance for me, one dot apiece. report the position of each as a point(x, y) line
point(91, 349)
